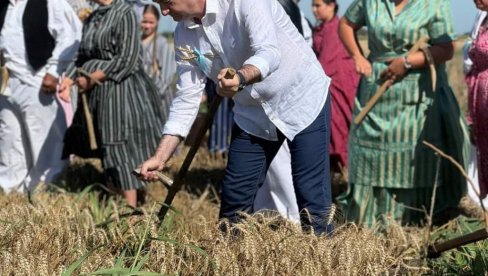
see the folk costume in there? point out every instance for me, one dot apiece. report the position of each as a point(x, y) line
point(337, 64)
point(391, 172)
point(125, 107)
point(38, 37)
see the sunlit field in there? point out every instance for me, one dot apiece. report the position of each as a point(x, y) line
point(77, 227)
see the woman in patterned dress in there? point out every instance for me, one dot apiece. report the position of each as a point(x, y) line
point(477, 79)
point(392, 173)
point(159, 57)
point(339, 66)
point(125, 106)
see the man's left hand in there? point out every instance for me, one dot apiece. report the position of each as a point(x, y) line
point(49, 83)
point(227, 87)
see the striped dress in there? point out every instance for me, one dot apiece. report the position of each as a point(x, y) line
point(125, 107)
point(221, 129)
point(392, 173)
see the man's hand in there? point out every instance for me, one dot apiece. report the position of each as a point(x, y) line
point(165, 150)
point(150, 167)
point(227, 87)
point(49, 83)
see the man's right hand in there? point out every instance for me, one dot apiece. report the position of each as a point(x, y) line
point(165, 150)
point(150, 167)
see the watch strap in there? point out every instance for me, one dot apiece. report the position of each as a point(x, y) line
point(242, 81)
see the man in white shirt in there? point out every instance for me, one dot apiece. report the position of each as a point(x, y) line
point(280, 93)
point(38, 39)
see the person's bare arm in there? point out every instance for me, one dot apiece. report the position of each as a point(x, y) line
point(165, 150)
point(347, 33)
point(396, 69)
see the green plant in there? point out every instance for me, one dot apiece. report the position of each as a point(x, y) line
point(471, 259)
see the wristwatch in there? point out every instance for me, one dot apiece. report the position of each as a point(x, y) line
point(407, 63)
point(242, 81)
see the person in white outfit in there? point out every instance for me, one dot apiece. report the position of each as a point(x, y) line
point(38, 39)
point(277, 192)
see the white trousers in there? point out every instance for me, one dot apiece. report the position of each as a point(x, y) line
point(277, 192)
point(32, 127)
point(473, 175)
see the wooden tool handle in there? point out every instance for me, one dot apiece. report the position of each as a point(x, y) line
point(162, 177)
point(89, 123)
point(369, 105)
point(382, 89)
point(88, 75)
point(231, 72)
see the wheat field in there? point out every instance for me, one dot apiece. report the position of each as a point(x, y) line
point(77, 228)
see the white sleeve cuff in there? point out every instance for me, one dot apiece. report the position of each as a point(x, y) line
point(52, 70)
point(176, 129)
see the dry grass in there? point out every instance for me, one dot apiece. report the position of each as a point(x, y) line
point(48, 236)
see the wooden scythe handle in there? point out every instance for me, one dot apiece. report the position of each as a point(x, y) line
point(178, 180)
point(86, 110)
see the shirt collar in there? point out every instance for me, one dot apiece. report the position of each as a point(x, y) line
point(211, 9)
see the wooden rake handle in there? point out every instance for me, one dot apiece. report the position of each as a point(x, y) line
point(86, 110)
point(382, 89)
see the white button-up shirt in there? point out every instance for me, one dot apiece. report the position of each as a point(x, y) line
point(65, 28)
point(293, 89)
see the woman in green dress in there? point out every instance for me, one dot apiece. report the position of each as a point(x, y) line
point(392, 174)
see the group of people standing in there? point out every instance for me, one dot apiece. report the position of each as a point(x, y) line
point(293, 100)
point(128, 88)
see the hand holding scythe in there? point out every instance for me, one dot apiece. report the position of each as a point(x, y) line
point(149, 170)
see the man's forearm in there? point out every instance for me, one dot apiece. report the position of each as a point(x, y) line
point(167, 146)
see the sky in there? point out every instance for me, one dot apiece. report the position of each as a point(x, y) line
point(463, 14)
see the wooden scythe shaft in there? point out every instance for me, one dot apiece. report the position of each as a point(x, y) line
point(382, 89)
point(435, 250)
point(178, 181)
point(86, 110)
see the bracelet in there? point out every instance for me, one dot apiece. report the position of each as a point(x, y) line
point(406, 63)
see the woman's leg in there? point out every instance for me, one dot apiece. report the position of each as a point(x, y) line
point(131, 197)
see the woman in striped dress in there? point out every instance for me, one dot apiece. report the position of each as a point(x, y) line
point(392, 173)
point(125, 106)
point(159, 57)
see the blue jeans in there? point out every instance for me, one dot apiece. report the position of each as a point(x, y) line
point(250, 157)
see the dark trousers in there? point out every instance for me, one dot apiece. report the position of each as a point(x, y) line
point(249, 160)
